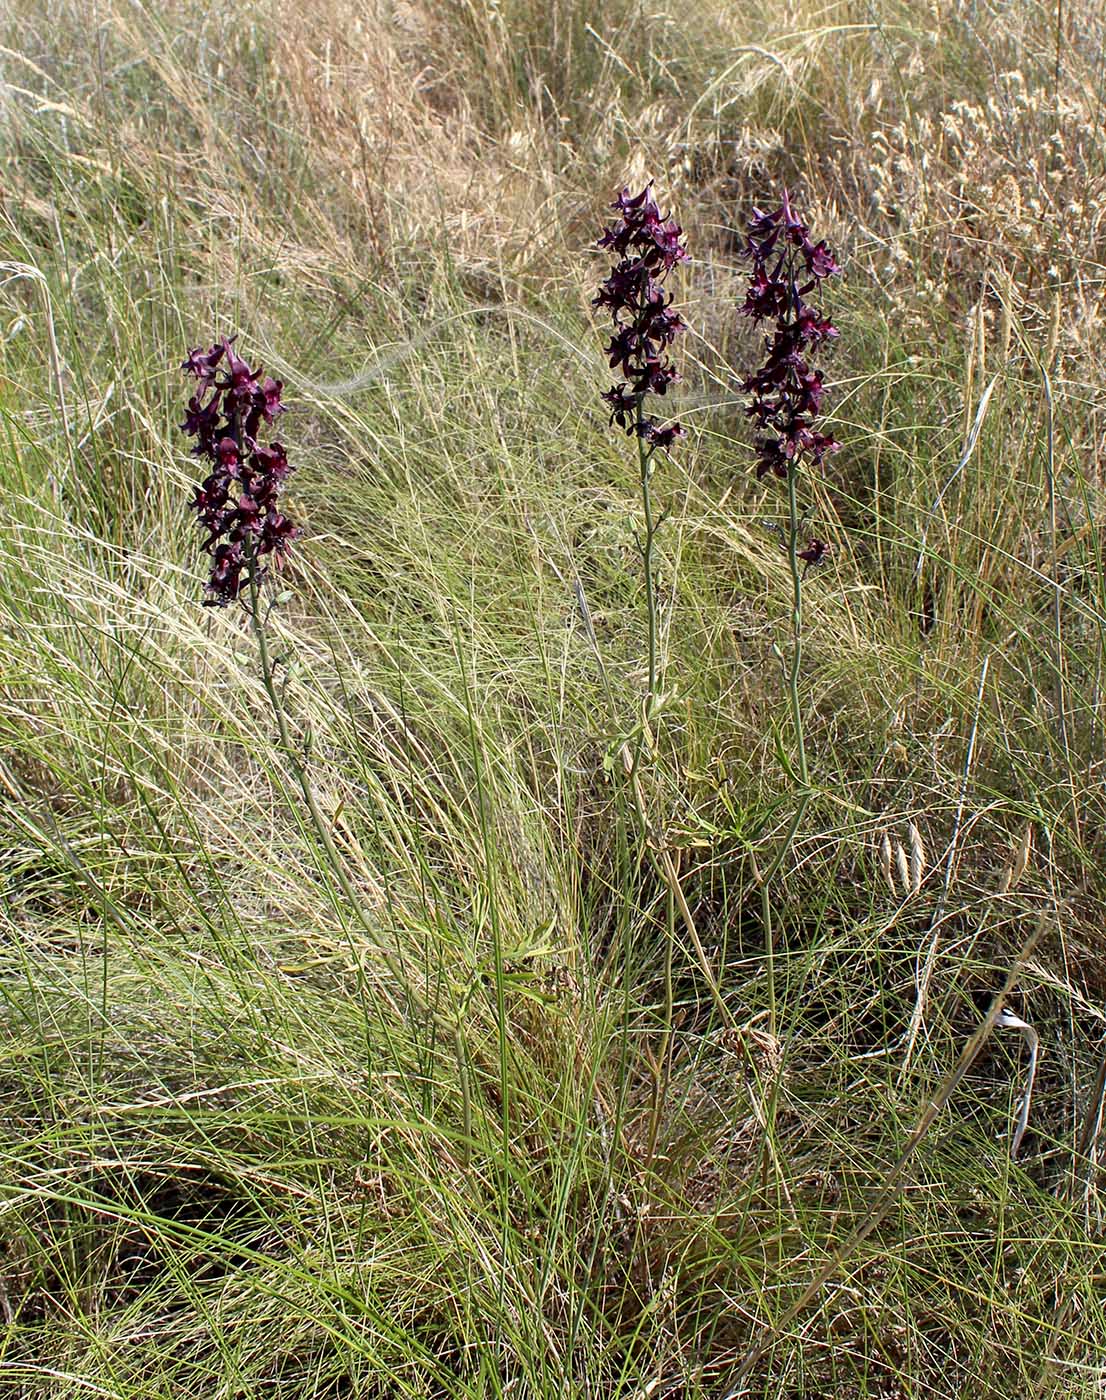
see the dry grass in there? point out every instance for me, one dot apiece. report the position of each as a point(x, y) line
point(232, 1162)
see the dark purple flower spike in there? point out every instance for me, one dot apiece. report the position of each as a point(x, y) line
point(787, 392)
point(648, 244)
point(236, 504)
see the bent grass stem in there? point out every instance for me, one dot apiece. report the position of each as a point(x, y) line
point(337, 865)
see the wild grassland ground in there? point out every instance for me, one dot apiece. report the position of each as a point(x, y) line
point(230, 1160)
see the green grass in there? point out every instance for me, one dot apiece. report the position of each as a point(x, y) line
point(232, 1156)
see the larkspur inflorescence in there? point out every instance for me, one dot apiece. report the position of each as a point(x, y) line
point(236, 504)
point(648, 245)
point(787, 392)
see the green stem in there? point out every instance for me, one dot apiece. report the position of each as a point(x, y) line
point(770, 951)
point(644, 456)
point(803, 802)
point(336, 863)
point(796, 622)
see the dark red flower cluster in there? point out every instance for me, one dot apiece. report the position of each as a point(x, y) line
point(237, 502)
point(648, 245)
point(787, 392)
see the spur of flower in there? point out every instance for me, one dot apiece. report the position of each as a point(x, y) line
point(787, 391)
point(648, 245)
point(236, 504)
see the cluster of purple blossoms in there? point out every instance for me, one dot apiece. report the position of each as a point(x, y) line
point(648, 245)
point(236, 504)
point(787, 392)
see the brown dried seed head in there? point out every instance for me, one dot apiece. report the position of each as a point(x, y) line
point(885, 862)
point(1054, 328)
point(1022, 855)
point(903, 867)
point(917, 858)
point(1005, 290)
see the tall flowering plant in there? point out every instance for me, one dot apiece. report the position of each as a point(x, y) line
point(648, 245)
point(237, 509)
point(786, 397)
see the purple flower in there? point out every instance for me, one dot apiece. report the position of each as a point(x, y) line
point(655, 239)
point(203, 365)
point(653, 376)
point(226, 455)
point(766, 297)
point(642, 205)
point(620, 288)
point(200, 421)
point(820, 445)
point(661, 327)
point(623, 404)
point(657, 436)
point(812, 328)
point(624, 349)
point(278, 533)
point(815, 551)
point(819, 261)
point(648, 245)
point(270, 398)
point(771, 458)
point(787, 393)
point(226, 580)
point(240, 381)
point(271, 461)
point(669, 248)
point(236, 503)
